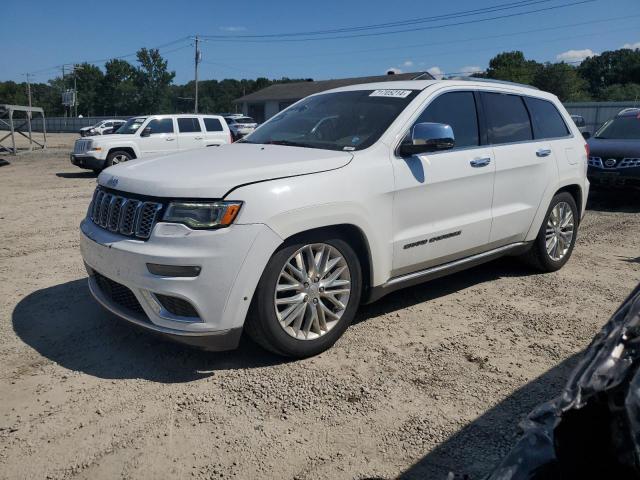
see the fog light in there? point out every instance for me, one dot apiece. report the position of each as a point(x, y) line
point(174, 270)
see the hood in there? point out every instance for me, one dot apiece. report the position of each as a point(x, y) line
point(606, 148)
point(212, 172)
point(114, 137)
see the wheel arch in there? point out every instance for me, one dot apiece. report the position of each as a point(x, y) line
point(576, 192)
point(355, 237)
point(573, 189)
point(129, 150)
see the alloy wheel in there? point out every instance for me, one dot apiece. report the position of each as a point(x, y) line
point(559, 231)
point(312, 291)
point(119, 159)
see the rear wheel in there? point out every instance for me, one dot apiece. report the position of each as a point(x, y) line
point(306, 297)
point(554, 244)
point(118, 156)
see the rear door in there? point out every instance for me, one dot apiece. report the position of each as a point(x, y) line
point(442, 204)
point(525, 168)
point(162, 138)
point(215, 133)
point(190, 134)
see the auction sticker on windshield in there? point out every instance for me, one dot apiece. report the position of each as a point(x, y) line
point(390, 93)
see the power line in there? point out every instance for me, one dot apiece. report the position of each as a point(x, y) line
point(398, 23)
point(444, 42)
point(376, 34)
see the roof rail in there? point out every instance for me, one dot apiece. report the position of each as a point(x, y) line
point(491, 80)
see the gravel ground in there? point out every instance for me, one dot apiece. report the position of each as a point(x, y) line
point(428, 379)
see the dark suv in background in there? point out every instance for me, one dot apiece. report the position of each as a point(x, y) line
point(615, 151)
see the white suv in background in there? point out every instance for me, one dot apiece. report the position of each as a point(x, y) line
point(100, 127)
point(343, 197)
point(240, 126)
point(150, 136)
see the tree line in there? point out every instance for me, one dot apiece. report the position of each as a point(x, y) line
point(123, 88)
point(610, 76)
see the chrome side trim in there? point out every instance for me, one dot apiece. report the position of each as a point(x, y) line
point(452, 265)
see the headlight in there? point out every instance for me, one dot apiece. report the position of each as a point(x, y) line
point(199, 215)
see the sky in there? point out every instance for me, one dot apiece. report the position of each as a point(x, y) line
point(68, 32)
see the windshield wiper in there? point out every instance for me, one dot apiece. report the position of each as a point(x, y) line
point(288, 143)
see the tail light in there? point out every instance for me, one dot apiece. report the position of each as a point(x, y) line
point(586, 147)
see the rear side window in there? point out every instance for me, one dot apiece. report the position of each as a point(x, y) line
point(212, 125)
point(188, 125)
point(547, 121)
point(457, 109)
point(507, 118)
point(161, 125)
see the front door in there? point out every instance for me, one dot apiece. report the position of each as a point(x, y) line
point(161, 139)
point(442, 205)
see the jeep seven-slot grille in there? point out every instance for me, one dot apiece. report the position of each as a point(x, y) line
point(119, 214)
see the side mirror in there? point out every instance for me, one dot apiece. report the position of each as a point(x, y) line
point(586, 135)
point(428, 137)
point(146, 132)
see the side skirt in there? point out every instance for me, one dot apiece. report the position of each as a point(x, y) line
point(415, 278)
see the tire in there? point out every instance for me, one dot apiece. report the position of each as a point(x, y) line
point(266, 321)
point(118, 156)
point(539, 256)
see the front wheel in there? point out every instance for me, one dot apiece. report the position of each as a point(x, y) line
point(306, 298)
point(119, 156)
point(557, 236)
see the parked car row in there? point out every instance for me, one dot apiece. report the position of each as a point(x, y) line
point(239, 125)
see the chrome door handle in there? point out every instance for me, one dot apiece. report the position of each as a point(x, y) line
point(480, 162)
point(197, 138)
point(543, 152)
point(169, 139)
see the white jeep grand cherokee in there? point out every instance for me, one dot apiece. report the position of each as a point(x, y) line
point(340, 199)
point(150, 136)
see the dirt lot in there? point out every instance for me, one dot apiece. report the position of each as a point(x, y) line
point(428, 379)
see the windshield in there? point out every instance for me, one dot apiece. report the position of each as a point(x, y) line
point(335, 121)
point(621, 128)
point(131, 126)
point(244, 120)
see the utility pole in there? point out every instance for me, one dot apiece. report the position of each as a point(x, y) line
point(75, 94)
point(63, 87)
point(198, 59)
point(75, 91)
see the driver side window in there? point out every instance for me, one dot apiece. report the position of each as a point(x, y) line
point(457, 109)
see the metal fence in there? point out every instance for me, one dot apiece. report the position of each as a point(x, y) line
point(596, 113)
point(65, 124)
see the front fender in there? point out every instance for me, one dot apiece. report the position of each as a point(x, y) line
point(298, 204)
